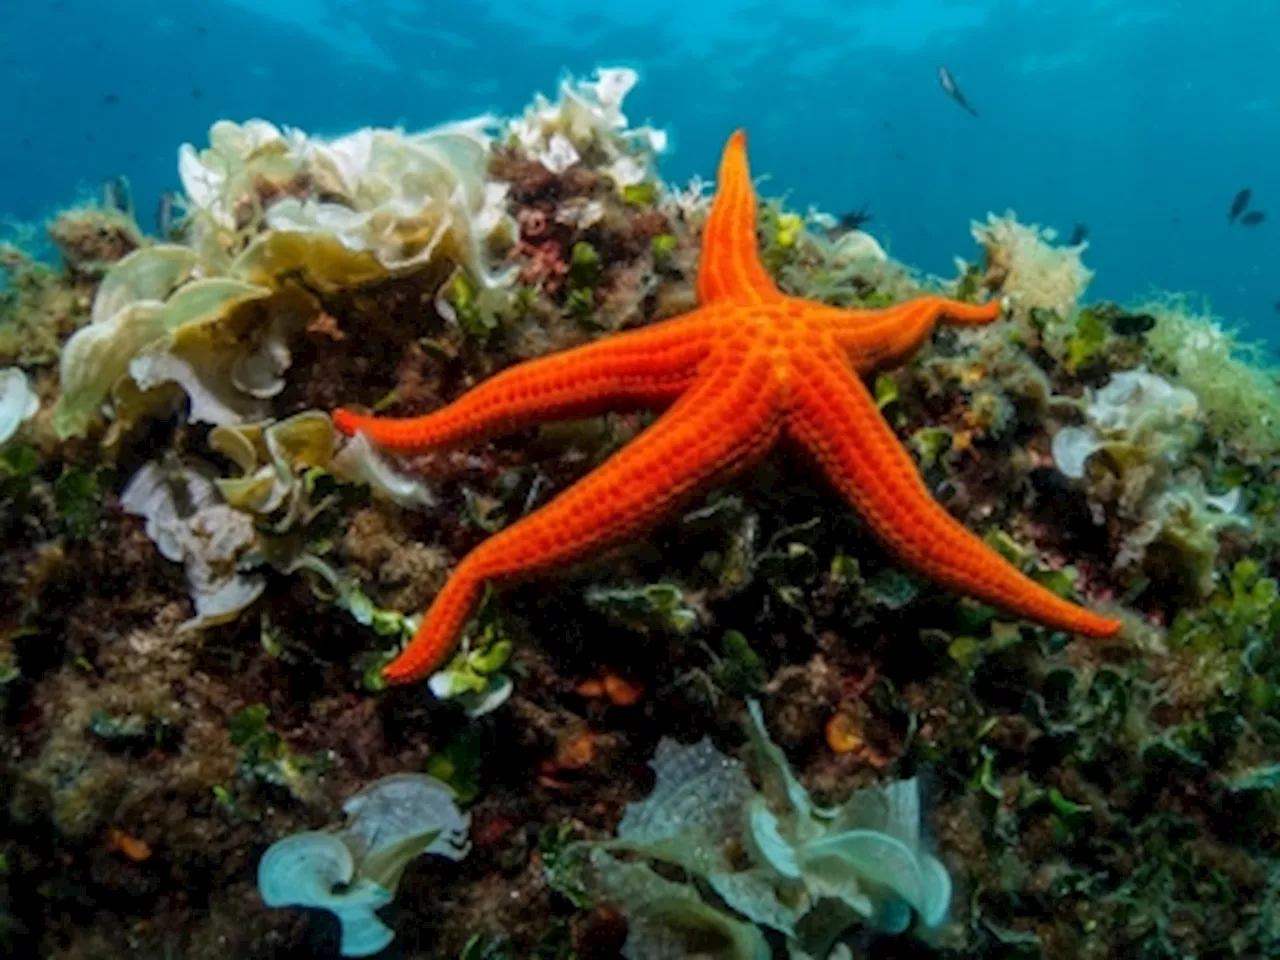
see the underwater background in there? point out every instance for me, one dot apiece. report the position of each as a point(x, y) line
point(553, 481)
point(1139, 119)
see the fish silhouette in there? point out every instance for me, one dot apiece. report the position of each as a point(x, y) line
point(1238, 204)
point(952, 88)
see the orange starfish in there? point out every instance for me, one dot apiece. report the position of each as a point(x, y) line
point(747, 367)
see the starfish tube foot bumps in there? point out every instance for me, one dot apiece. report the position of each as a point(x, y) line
point(749, 366)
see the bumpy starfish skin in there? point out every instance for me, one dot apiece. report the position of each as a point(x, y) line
point(749, 366)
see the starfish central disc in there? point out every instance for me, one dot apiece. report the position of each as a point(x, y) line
point(747, 367)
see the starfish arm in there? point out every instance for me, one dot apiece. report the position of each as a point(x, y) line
point(641, 369)
point(835, 418)
point(878, 338)
point(723, 423)
point(730, 264)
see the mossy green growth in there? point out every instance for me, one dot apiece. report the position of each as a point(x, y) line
point(662, 247)
point(460, 762)
point(19, 466)
point(1086, 342)
point(585, 267)
point(132, 731)
point(475, 677)
point(1239, 392)
point(585, 271)
point(779, 231)
point(640, 195)
point(266, 758)
point(970, 283)
point(463, 296)
point(930, 443)
point(1244, 609)
point(77, 498)
point(885, 390)
point(739, 668)
point(480, 947)
point(39, 307)
point(656, 606)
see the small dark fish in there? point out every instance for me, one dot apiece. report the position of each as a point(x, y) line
point(116, 195)
point(1238, 204)
point(1132, 324)
point(952, 88)
point(1252, 218)
point(111, 99)
point(854, 219)
point(1277, 306)
point(1079, 235)
point(196, 93)
point(167, 214)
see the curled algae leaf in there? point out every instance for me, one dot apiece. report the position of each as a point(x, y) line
point(149, 274)
point(18, 402)
point(353, 871)
point(188, 525)
point(401, 816)
point(199, 354)
point(669, 920)
point(317, 870)
point(382, 201)
point(144, 302)
point(1136, 414)
point(127, 314)
point(360, 462)
point(772, 856)
point(273, 458)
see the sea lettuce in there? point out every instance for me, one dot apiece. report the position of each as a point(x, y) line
point(757, 856)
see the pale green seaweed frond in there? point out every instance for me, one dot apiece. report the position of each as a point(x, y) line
point(1135, 411)
point(1187, 519)
point(354, 870)
point(316, 869)
point(128, 313)
point(383, 198)
point(474, 676)
point(407, 198)
point(266, 207)
point(668, 920)
point(766, 854)
point(278, 461)
point(18, 402)
point(1140, 428)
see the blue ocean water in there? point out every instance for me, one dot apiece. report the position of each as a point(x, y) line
point(1139, 118)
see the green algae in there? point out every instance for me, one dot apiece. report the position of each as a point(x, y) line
point(266, 758)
